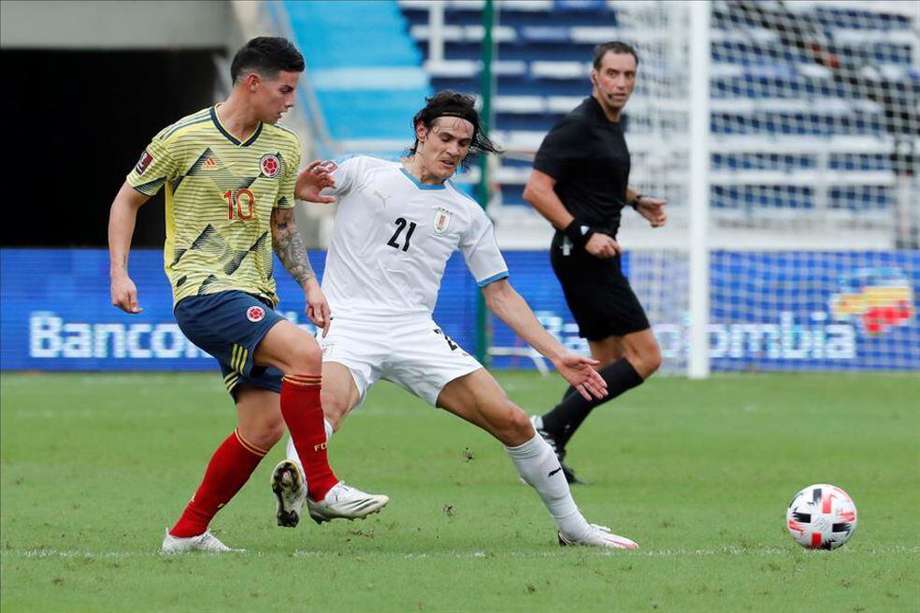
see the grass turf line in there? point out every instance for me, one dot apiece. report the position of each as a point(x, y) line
point(95, 466)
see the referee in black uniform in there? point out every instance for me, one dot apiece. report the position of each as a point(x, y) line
point(579, 183)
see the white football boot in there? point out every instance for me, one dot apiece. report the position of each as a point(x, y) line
point(599, 536)
point(206, 542)
point(346, 502)
point(290, 491)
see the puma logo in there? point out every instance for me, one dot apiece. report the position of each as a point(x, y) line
point(383, 199)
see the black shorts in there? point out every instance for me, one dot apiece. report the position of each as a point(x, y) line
point(599, 296)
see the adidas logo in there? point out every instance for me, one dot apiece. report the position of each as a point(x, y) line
point(209, 164)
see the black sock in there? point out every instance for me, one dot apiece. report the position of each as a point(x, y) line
point(562, 422)
point(568, 392)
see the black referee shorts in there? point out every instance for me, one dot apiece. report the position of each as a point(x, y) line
point(599, 296)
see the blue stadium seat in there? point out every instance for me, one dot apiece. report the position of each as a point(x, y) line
point(764, 91)
point(363, 66)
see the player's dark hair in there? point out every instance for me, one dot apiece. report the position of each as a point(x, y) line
point(266, 55)
point(614, 46)
point(449, 103)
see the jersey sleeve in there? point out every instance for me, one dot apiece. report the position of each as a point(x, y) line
point(562, 147)
point(291, 168)
point(346, 174)
point(156, 166)
point(480, 250)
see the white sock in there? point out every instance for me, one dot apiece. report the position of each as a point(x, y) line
point(538, 466)
point(291, 451)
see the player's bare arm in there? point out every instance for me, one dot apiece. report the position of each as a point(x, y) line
point(511, 308)
point(540, 194)
point(288, 244)
point(122, 218)
point(649, 207)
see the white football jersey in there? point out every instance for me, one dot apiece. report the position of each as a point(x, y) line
point(393, 236)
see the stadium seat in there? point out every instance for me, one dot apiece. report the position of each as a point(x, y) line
point(781, 121)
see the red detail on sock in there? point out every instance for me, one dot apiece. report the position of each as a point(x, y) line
point(303, 414)
point(303, 379)
point(229, 469)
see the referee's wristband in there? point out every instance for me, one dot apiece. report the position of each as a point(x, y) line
point(578, 233)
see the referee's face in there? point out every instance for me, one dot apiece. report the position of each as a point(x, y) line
point(614, 81)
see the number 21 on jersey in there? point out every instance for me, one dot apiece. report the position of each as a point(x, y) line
point(401, 224)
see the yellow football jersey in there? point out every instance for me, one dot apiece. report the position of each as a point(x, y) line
point(219, 196)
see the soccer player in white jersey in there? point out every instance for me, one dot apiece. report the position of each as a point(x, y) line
point(396, 225)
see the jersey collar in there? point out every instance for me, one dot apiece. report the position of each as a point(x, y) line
point(229, 136)
point(418, 183)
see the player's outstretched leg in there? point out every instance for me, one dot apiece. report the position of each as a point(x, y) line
point(477, 398)
point(537, 464)
point(341, 502)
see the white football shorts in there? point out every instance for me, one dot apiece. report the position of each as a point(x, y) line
point(411, 352)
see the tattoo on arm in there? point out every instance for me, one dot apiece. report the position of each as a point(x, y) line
point(288, 244)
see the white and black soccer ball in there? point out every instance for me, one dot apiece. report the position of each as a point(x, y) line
point(821, 516)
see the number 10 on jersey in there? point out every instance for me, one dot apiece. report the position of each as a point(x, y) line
point(236, 200)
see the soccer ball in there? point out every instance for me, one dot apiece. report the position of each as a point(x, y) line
point(821, 516)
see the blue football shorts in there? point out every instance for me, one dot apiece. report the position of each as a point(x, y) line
point(229, 326)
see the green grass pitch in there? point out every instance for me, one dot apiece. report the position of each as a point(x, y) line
point(95, 466)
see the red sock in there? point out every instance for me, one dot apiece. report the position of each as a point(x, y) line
point(303, 414)
point(228, 470)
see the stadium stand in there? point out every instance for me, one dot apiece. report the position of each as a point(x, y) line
point(364, 71)
point(814, 109)
point(779, 115)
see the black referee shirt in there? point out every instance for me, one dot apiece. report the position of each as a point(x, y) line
point(587, 156)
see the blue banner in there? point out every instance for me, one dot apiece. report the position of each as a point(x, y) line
point(769, 311)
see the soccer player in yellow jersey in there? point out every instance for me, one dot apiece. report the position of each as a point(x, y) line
point(229, 173)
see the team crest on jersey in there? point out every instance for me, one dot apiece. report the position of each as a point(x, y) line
point(255, 314)
point(441, 221)
point(143, 163)
point(270, 165)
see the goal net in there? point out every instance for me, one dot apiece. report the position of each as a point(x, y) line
point(813, 204)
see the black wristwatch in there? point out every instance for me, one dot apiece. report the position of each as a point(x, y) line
point(635, 202)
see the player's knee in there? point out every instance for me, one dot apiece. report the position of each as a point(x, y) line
point(520, 422)
point(513, 427)
point(646, 360)
point(273, 433)
point(307, 358)
point(265, 433)
point(334, 408)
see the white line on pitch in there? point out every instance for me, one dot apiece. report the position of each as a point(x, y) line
point(652, 553)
